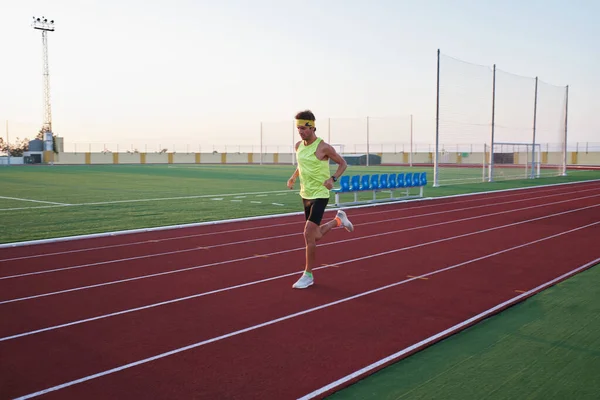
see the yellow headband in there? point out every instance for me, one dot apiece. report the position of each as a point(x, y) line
point(305, 122)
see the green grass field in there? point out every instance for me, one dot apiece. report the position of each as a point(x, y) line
point(545, 347)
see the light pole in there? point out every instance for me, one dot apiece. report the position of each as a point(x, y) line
point(45, 26)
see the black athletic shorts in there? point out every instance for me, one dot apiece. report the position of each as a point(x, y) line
point(314, 209)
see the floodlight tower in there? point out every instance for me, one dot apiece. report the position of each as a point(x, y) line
point(45, 26)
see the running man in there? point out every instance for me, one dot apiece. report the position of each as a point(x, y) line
point(313, 156)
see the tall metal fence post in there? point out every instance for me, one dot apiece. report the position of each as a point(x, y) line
point(368, 142)
point(564, 166)
point(411, 140)
point(534, 124)
point(294, 142)
point(491, 160)
point(437, 126)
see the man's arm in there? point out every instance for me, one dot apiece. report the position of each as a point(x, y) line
point(296, 174)
point(330, 152)
point(292, 180)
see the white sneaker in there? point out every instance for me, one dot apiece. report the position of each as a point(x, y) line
point(345, 221)
point(304, 282)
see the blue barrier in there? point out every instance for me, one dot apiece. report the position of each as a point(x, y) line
point(381, 183)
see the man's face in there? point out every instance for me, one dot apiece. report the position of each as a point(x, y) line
point(306, 132)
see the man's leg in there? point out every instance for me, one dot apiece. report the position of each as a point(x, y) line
point(325, 228)
point(314, 210)
point(312, 234)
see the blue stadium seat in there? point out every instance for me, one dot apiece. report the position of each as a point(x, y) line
point(400, 180)
point(344, 184)
point(392, 181)
point(416, 179)
point(423, 179)
point(383, 181)
point(408, 182)
point(374, 184)
point(364, 182)
point(355, 183)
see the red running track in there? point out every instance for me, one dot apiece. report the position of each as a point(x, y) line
point(208, 311)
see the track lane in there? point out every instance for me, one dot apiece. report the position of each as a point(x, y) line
point(311, 350)
point(219, 315)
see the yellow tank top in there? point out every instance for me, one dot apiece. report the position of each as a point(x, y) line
point(313, 172)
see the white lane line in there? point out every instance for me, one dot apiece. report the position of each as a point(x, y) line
point(100, 203)
point(36, 208)
point(440, 335)
point(278, 204)
point(86, 249)
point(34, 201)
point(323, 306)
point(162, 303)
point(101, 263)
point(287, 251)
point(184, 197)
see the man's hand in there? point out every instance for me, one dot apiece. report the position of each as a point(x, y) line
point(328, 183)
point(290, 183)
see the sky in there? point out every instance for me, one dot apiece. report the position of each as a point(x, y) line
point(200, 73)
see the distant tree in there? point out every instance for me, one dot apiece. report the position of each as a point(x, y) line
point(15, 149)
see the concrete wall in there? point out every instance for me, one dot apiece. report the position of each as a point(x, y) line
point(210, 158)
point(236, 158)
point(70, 158)
point(4, 160)
point(582, 158)
point(574, 158)
point(126, 158)
point(100, 158)
point(404, 158)
point(520, 158)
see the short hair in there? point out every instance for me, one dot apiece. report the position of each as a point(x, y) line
point(306, 114)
